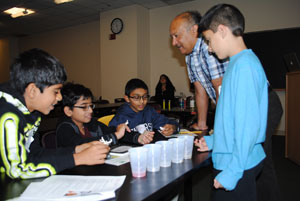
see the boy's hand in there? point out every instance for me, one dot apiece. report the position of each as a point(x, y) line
point(201, 144)
point(168, 129)
point(121, 130)
point(91, 153)
point(80, 148)
point(146, 137)
point(217, 184)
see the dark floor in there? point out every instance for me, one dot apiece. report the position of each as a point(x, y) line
point(288, 174)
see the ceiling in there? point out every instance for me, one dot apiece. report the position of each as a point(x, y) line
point(51, 16)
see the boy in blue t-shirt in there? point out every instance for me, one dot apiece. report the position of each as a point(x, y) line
point(241, 114)
point(142, 119)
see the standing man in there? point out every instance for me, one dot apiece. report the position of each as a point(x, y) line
point(204, 70)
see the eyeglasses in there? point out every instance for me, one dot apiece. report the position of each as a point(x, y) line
point(86, 107)
point(137, 98)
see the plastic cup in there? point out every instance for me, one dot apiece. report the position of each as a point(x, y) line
point(177, 150)
point(153, 157)
point(188, 146)
point(138, 161)
point(166, 153)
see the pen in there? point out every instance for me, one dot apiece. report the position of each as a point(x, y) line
point(186, 132)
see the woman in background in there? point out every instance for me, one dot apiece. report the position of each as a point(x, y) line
point(165, 91)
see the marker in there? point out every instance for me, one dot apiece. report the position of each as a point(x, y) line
point(186, 132)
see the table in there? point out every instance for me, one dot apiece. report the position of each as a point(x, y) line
point(155, 186)
point(110, 108)
point(185, 116)
point(188, 116)
point(101, 110)
point(114, 105)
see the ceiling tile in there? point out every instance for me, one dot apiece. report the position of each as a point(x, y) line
point(51, 16)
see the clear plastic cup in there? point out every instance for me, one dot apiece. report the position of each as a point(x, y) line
point(166, 153)
point(138, 161)
point(153, 157)
point(188, 146)
point(177, 150)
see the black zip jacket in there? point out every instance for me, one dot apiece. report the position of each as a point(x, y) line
point(21, 155)
point(68, 134)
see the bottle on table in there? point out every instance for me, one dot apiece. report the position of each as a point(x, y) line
point(182, 101)
point(192, 103)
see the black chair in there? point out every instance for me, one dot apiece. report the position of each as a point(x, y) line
point(102, 101)
point(49, 140)
point(119, 100)
point(152, 98)
point(156, 106)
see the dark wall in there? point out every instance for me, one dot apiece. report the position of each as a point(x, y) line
point(278, 51)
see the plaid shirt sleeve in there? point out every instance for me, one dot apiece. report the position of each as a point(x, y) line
point(204, 67)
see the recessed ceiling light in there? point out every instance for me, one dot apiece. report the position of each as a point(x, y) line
point(18, 12)
point(61, 1)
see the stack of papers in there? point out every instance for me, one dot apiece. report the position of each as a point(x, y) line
point(118, 155)
point(64, 187)
point(120, 150)
point(117, 160)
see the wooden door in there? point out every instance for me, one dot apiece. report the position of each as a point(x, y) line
point(292, 121)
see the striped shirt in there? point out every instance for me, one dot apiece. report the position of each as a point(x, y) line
point(204, 67)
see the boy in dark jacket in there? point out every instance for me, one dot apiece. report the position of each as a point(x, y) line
point(34, 88)
point(142, 119)
point(78, 125)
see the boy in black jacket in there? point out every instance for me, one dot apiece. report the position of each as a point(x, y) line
point(34, 88)
point(142, 119)
point(78, 125)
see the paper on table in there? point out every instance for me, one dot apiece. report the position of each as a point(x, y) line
point(120, 150)
point(64, 187)
point(117, 160)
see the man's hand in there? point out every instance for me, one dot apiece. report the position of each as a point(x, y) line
point(146, 137)
point(201, 144)
point(91, 153)
point(168, 129)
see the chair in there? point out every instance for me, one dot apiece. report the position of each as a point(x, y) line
point(49, 139)
point(152, 98)
point(102, 101)
point(156, 106)
point(119, 100)
point(106, 119)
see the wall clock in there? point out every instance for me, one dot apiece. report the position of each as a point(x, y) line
point(116, 25)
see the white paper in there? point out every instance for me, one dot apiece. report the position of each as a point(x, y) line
point(65, 187)
point(120, 149)
point(117, 160)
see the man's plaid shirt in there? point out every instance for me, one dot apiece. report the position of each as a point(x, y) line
point(204, 67)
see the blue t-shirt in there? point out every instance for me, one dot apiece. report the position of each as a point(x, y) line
point(240, 120)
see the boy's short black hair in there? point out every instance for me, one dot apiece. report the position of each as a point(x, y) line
point(192, 17)
point(71, 93)
point(134, 84)
point(38, 67)
point(224, 14)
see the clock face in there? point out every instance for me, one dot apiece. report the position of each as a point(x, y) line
point(116, 26)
